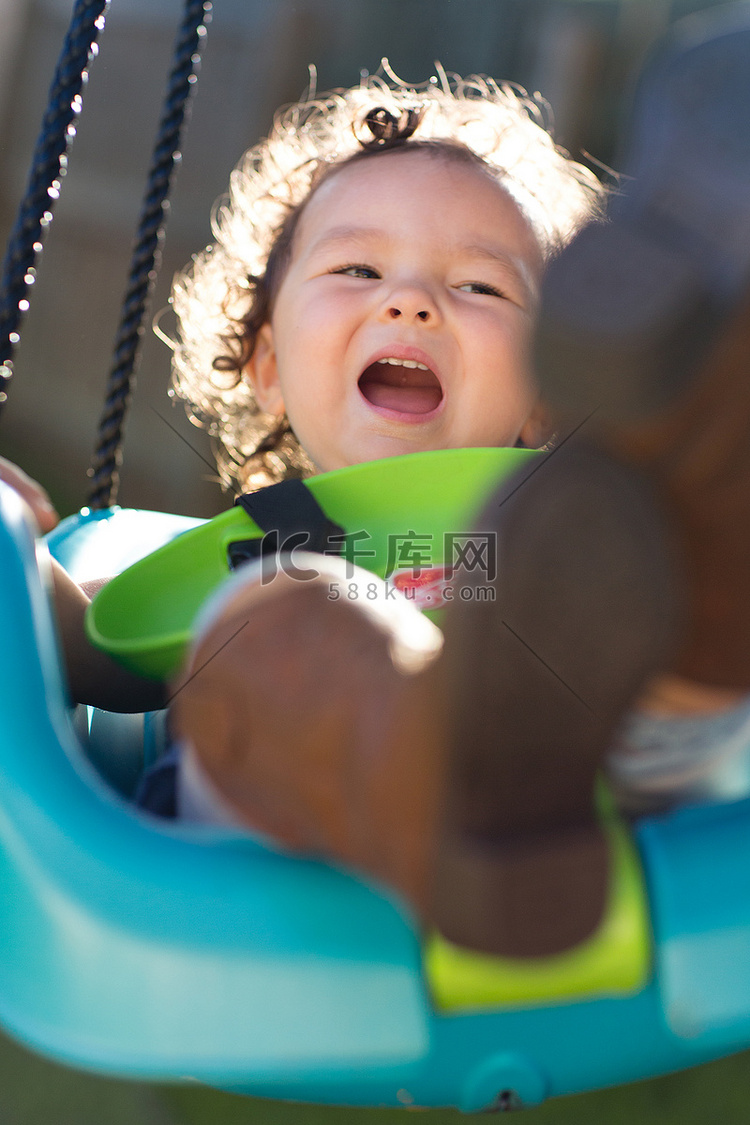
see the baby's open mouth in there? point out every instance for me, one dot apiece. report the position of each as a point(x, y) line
point(402, 385)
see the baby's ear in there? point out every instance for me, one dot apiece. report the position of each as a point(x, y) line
point(537, 429)
point(262, 372)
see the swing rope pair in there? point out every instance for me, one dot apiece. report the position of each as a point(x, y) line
point(49, 165)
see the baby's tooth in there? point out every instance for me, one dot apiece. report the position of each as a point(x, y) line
point(404, 363)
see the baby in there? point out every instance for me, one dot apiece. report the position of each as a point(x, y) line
point(371, 292)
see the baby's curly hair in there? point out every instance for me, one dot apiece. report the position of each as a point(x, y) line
point(225, 296)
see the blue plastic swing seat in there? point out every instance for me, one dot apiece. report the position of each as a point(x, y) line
point(167, 952)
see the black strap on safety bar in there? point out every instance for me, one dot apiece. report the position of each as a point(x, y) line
point(290, 518)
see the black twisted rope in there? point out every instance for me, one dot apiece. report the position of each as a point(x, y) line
point(48, 166)
point(146, 255)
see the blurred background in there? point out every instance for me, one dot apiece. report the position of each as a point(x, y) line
point(580, 54)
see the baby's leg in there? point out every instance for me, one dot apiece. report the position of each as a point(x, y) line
point(311, 709)
point(542, 664)
point(320, 719)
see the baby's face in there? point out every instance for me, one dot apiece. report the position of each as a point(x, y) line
point(404, 318)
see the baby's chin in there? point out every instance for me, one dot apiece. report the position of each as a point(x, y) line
point(373, 450)
point(379, 447)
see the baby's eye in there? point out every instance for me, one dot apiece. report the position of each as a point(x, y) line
point(480, 287)
point(357, 271)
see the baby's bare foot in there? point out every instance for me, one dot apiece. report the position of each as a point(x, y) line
point(315, 715)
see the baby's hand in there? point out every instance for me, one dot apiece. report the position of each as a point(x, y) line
point(33, 493)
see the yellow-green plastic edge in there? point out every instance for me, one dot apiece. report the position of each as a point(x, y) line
point(614, 961)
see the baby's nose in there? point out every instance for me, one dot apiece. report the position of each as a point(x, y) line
point(412, 303)
point(422, 314)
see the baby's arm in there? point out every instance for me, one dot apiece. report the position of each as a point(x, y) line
point(93, 677)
